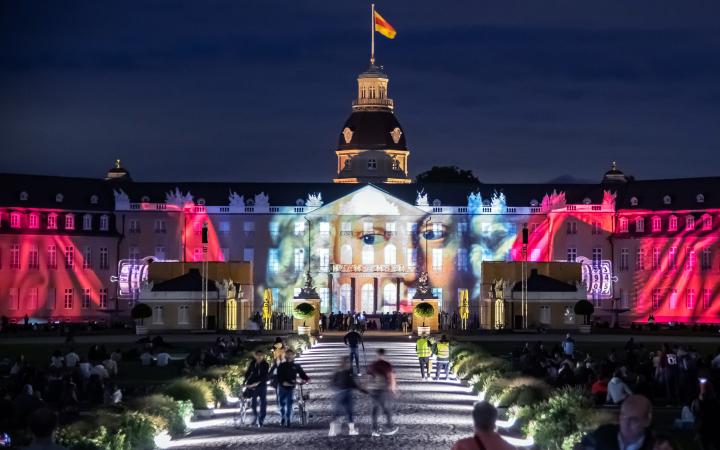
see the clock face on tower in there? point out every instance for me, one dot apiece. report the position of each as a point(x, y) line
point(347, 134)
point(395, 134)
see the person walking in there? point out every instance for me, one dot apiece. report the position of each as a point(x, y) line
point(382, 389)
point(424, 352)
point(442, 350)
point(256, 377)
point(278, 357)
point(287, 374)
point(344, 382)
point(485, 437)
point(352, 340)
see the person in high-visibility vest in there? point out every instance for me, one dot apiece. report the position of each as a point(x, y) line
point(424, 352)
point(442, 350)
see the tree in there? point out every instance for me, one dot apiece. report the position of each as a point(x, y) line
point(303, 311)
point(447, 174)
point(141, 311)
point(424, 310)
point(584, 308)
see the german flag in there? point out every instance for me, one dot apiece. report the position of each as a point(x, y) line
point(383, 27)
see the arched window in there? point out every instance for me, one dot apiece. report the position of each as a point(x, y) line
point(672, 223)
point(390, 254)
point(389, 298)
point(656, 223)
point(639, 224)
point(345, 297)
point(368, 254)
point(367, 298)
point(623, 225)
point(346, 254)
point(689, 223)
point(707, 222)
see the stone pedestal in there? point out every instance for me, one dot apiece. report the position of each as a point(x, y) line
point(431, 322)
point(314, 322)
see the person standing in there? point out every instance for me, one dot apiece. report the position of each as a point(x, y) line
point(382, 388)
point(256, 377)
point(405, 324)
point(287, 374)
point(343, 382)
point(424, 352)
point(352, 340)
point(568, 346)
point(442, 350)
point(485, 437)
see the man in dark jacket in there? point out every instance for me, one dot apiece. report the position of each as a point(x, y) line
point(256, 377)
point(633, 432)
point(353, 339)
point(287, 374)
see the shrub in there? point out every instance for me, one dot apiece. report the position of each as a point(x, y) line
point(220, 391)
point(303, 311)
point(299, 343)
point(141, 311)
point(197, 391)
point(176, 413)
point(87, 435)
point(584, 308)
point(524, 391)
point(140, 430)
point(563, 414)
point(424, 310)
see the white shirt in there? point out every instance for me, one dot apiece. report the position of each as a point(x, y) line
point(163, 359)
point(85, 369)
point(71, 359)
point(101, 371)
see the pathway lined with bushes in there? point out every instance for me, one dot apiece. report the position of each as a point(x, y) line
point(430, 414)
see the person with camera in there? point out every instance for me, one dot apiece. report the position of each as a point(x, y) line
point(256, 377)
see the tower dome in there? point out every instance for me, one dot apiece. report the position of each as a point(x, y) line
point(371, 146)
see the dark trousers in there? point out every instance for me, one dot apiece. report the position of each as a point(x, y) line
point(285, 394)
point(424, 366)
point(442, 365)
point(381, 402)
point(344, 404)
point(259, 393)
point(354, 355)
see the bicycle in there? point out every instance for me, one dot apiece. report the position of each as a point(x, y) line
point(240, 418)
point(300, 398)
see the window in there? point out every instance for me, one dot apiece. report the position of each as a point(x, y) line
point(568, 315)
point(389, 298)
point(224, 254)
point(299, 227)
point(411, 258)
point(69, 221)
point(87, 222)
point(535, 254)
point(249, 228)
point(390, 228)
point(32, 299)
point(623, 225)
point(367, 227)
point(639, 224)
point(68, 299)
point(596, 255)
point(706, 298)
point(52, 221)
point(249, 254)
point(273, 260)
point(706, 262)
point(656, 224)
point(437, 259)
point(323, 259)
point(196, 226)
point(13, 299)
point(437, 230)
point(161, 226)
point(673, 298)
point(324, 294)
point(274, 229)
point(157, 317)
point(462, 228)
point(571, 227)
point(15, 256)
point(689, 223)
point(134, 253)
point(15, 219)
point(571, 254)
point(135, 225)
point(655, 258)
point(690, 259)
point(672, 223)
point(707, 222)
point(690, 298)
point(368, 254)
point(345, 299)
point(183, 315)
point(34, 257)
point(596, 228)
point(411, 228)
point(69, 257)
point(346, 229)
point(639, 259)
point(104, 261)
point(33, 221)
point(438, 292)
point(103, 298)
point(346, 254)
point(324, 229)
point(672, 257)
point(623, 299)
point(462, 259)
point(52, 257)
point(624, 257)
point(634, 303)
point(545, 314)
point(372, 164)
point(160, 253)
point(390, 254)
point(299, 259)
point(656, 298)
point(367, 298)
point(85, 301)
point(104, 222)
point(87, 258)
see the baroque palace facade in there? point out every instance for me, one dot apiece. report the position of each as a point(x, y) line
point(78, 248)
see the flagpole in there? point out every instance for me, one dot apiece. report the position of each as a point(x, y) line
point(372, 33)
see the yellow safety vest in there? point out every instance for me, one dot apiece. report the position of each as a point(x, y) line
point(443, 350)
point(423, 349)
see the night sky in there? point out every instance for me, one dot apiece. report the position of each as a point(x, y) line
point(517, 91)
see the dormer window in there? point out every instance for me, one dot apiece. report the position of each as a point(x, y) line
point(672, 223)
point(33, 221)
point(707, 222)
point(534, 203)
point(299, 202)
point(93, 199)
point(23, 196)
point(667, 200)
point(59, 198)
point(587, 201)
point(640, 224)
point(700, 198)
point(623, 225)
point(372, 164)
point(104, 222)
point(15, 220)
point(87, 222)
point(437, 202)
point(656, 224)
point(201, 201)
point(689, 223)
point(52, 221)
point(633, 201)
point(144, 199)
point(69, 221)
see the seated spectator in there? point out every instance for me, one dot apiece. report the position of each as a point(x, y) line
point(57, 360)
point(42, 425)
point(633, 432)
point(163, 358)
point(26, 403)
point(484, 416)
point(113, 394)
point(100, 371)
point(146, 358)
point(664, 443)
point(71, 359)
point(85, 368)
point(618, 391)
point(111, 366)
point(116, 355)
point(18, 366)
point(686, 420)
